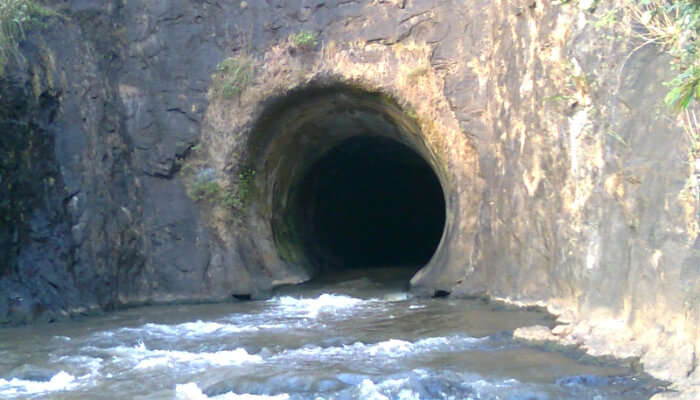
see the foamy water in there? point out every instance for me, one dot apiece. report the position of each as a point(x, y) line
point(196, 328)
point(142, 357)
point(312, 307)
point(190, 391)
point(62, 381)
point(334, 343)
point(385, 350)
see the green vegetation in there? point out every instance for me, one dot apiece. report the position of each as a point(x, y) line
point(17, 17)
point(233, 76)
point(241, 197)
point(206, 187)
point(684, 88)
point(304, 40)
point(209, 190)
point(410, 113)
point(606, 21)
point(675, 26)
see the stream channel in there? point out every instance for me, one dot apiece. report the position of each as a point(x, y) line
point(359, 335)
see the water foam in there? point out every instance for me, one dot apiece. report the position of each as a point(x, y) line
point(80, 363)
point(386, 390)
point(387, 349)
point(62, 381)
point(190, 391)
point(312, 307)
point(144, 358)
point(189, 329)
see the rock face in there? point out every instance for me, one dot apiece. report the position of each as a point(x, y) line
point(153, 151)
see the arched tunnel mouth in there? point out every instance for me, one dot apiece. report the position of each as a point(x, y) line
point(370, 202)
point(348, 182)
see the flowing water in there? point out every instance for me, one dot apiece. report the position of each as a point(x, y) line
point(353, 338)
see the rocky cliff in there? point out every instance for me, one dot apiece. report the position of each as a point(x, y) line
point(156, 151)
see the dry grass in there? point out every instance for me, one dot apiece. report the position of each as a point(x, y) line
point(655, 23)
point(674, 26)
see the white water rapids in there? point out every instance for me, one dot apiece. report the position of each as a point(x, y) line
point(357, 339)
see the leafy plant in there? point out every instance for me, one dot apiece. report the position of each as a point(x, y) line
point(675, 26)
point(684, 88)
point(304, 40)
point(234, 75)
point(16, 18)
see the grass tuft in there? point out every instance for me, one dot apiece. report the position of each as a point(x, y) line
point(233, 76)
point(205, 187)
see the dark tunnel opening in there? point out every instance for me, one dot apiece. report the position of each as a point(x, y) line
point(348, 184)
point(370, 201)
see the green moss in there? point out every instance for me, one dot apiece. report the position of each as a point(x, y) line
point(240, 198)
point(304, 40)
point(29, 177)
point(287, 249)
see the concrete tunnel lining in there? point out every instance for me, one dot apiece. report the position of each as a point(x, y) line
point(345, 179)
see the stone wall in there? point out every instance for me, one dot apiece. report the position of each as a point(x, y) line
point(567, 182)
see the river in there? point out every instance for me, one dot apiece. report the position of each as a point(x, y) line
point(359, 335)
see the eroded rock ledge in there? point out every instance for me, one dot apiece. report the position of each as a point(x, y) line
point(167, 145)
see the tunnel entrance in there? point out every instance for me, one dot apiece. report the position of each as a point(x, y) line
point(370, 202)
point(347, 181)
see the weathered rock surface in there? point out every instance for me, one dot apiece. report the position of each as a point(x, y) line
point(567, 183)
